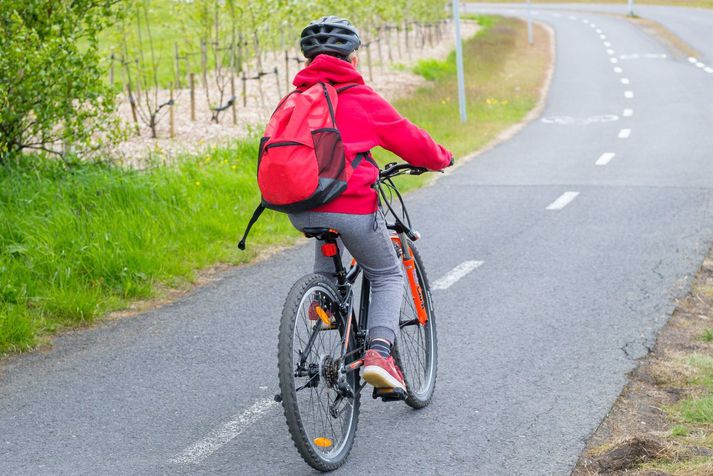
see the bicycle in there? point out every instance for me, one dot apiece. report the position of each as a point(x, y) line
point(319, 357)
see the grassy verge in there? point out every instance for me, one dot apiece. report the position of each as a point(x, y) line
point(662, 423)
point(79, 241)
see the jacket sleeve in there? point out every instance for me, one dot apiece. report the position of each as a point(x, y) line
point(400, 136)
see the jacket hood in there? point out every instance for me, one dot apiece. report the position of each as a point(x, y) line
point(326, 68)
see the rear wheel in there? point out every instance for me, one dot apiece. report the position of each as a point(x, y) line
point(321, 404)
point(416, 350)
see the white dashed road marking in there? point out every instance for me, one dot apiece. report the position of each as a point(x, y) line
point(454, 275)
point(708, 69)
point(628, 94)
point(610, 52)
point(224, 434)
point(613, 60)
point(618, 70)
point(624, 133)
point(607, 44)
point(562, 201)
point(624, 80)
point(627, 113)
point(603, 37)
point(692, 59)
point(605, 158)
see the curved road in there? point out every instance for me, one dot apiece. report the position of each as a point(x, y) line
point(588, 224)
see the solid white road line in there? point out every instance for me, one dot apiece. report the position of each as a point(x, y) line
point(605, 158)
point(624, 133)
point(624, 80)
point(456, 274)
point(224, 434)
point(618, 70)
point(562, 201)
point(628, 113)
point(628, 94)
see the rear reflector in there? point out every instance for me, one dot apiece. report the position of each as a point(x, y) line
point(329, 249)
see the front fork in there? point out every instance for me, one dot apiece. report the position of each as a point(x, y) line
point(410, 266)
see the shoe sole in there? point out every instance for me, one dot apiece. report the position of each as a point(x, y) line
point(380, 378)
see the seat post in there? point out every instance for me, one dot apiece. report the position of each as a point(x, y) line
point(331, 250)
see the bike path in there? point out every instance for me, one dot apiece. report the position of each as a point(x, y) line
point(534, 345)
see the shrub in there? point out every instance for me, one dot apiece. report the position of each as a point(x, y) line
point(52, 94)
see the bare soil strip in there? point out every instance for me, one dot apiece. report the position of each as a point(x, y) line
point(662, 423)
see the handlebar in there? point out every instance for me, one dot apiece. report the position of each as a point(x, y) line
point(393, 169)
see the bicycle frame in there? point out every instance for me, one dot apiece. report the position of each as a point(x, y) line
point(350, 325)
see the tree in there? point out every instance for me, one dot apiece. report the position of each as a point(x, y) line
point(53, 96)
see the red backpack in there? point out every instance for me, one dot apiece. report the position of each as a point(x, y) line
point(301, 162)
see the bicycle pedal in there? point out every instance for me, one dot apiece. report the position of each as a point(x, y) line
point(389, 394)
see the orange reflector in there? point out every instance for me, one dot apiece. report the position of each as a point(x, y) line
point(323, 316)
point(322, 442)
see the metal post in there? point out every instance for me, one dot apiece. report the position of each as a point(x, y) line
point(459, 61)
point(529, 21)
point(631, 8)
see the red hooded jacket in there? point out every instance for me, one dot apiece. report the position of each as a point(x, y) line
point(366, 120)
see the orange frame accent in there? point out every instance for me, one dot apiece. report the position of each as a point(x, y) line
point(416, 291)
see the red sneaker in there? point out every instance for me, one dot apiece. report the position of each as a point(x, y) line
point(381, 372)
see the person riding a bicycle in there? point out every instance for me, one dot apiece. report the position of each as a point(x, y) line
point(365, 120)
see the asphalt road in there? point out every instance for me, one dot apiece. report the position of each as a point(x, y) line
point(534, 344)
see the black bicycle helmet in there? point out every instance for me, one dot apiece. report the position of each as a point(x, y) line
point(329, 35)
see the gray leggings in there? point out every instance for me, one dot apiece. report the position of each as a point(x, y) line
point(367, 240)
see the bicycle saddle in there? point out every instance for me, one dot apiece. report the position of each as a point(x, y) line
point(321, 233)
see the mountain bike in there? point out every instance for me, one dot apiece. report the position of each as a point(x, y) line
point(323, 339)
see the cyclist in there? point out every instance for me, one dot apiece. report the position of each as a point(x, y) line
point(365, 120)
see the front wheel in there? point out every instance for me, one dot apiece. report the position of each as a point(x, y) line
point(321, 416)
point(416, 350)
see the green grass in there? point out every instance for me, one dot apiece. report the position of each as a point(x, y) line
point(679, 430)
point(707, 335)
point(698, 409)
point(81, 240)
point(78, 242)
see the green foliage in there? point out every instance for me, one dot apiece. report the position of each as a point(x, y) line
point(707, 335)
point(433, 69)
point(679, 430)
point(78, 241)
point(52, 93)
point(252, 26)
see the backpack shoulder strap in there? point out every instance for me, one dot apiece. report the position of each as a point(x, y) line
point(256, 214)
point(348, 86)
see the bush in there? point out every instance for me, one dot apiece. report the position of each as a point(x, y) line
point(52, 94)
